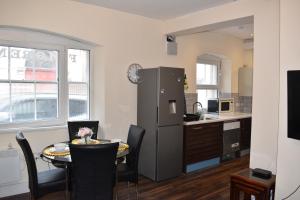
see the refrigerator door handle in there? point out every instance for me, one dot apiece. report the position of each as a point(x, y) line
point(157, 115)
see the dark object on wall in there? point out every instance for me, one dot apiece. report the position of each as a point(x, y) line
point(171, 45)
point(171, 38)
point(293, 84)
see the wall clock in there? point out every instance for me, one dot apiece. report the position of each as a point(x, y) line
point(132, 73)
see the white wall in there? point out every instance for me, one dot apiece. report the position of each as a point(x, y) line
point(122, 39)
point(248, 57)
point(288, 163)
point(266, 54)
point(194, 45)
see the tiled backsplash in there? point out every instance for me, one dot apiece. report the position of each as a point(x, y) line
point(241, 103)
point(190, 99)
point(244, 104)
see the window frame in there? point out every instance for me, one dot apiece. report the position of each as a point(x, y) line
point(84, 48)
point(209, 61)
point(62, 80)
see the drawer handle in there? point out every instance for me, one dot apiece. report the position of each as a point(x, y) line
point(198, 128)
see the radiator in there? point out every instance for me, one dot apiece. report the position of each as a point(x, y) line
point(9, 166)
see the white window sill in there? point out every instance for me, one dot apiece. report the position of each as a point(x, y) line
point(31, 129)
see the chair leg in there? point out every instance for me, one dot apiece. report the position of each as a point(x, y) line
point(136, 191)
point(128, 196)
point(115, 193)
point(30, 196)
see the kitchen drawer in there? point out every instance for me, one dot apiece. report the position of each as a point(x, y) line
point(202, 142)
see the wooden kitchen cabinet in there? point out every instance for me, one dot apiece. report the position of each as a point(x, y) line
point(245, 133)
point(202, 142)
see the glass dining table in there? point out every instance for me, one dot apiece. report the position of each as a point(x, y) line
point(62, 158)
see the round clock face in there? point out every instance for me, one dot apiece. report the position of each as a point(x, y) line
point(132, 72)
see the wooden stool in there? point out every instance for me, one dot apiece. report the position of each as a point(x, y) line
point(243, 181)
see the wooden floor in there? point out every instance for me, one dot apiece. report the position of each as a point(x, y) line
point(210, 184)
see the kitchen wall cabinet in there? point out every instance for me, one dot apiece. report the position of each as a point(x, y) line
point(245, 140)
point(202, 142)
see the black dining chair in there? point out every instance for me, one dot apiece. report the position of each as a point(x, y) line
point(128, 171)
point(74, 126)
point(93, 169)
point(40, 183)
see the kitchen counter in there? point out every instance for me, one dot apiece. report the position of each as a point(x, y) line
point(211, 118)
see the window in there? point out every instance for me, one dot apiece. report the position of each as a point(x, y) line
point(28, 83)
point(207, 80)
point(36, 81)
point(78, 78)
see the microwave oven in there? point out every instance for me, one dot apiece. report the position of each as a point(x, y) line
point(221, 105)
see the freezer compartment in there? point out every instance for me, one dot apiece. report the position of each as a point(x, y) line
point(169, 152)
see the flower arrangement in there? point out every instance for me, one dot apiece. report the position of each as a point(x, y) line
point(85, 133)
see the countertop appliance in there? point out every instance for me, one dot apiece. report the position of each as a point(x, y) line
point(160, 111)
point(231, 139)
point(226, 105)
point(221, 105)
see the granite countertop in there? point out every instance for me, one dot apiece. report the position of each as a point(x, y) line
point(211, 118)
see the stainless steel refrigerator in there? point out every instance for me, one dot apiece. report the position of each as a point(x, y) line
point(160, 108)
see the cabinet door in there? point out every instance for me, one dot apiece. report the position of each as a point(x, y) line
point(202, 142)
point(245, 133)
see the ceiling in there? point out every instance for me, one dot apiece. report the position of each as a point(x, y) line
point(157, 9)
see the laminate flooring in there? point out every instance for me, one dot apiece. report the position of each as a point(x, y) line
point(209, 184)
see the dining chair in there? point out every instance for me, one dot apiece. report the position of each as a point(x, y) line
point(93, 169)
point(128, 171)
point(40, 183)
point(74, 126)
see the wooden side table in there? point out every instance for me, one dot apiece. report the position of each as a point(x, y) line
point(243, 181)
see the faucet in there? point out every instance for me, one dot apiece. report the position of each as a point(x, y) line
point(196, 103)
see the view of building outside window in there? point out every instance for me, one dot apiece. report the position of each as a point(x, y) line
point(29, 84)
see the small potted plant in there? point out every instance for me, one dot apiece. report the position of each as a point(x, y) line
point(85, 134)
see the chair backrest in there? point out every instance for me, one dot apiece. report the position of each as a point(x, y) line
point(134, 140)
point(30, 162)
point(93, 170)
point(74, 126)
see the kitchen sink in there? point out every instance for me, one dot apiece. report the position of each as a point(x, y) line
point(188, 117)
